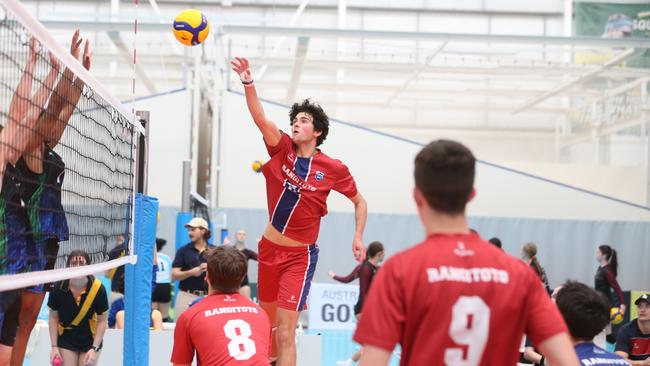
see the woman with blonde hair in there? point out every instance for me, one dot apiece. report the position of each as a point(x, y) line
point(529, 255)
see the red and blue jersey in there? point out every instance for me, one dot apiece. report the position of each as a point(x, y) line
point(297, 189)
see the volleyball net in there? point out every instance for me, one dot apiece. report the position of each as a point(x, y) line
point(67, 157)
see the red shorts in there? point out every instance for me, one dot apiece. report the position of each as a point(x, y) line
point(285, 274)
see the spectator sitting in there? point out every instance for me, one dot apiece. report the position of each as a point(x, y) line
point(116, 313)
point(586, 313)
point(633, 340)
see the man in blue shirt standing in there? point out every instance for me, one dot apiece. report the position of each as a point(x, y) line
point(586, 313)
point(189, 265)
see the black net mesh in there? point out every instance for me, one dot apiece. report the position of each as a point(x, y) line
point(66, 159)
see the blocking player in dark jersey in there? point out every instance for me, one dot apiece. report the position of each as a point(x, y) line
point(24, 112)
point(455, 299)
point(299, 177)
point(42, 171)
point(224, 328)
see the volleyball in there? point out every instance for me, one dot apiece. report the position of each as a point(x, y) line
point(257, 166)
point(616, 317)
point(191, 27)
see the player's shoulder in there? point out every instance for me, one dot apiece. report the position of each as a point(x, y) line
point(285, 139)
point(329, 161)
point(628, 330)
point(185, 248)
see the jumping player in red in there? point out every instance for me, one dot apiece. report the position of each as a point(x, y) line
point(225, 328)
point(455, 299)
point(299, 177)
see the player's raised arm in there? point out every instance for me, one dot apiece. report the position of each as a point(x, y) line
point(65, 97)
point(268, 128)
point(21, 124)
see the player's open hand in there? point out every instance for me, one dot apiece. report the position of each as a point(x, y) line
point(75, 45)
point(242, 68)
point(358, 250)
point(331, 274)
point(85, 59)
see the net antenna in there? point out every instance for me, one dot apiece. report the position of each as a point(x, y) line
point(97, 150)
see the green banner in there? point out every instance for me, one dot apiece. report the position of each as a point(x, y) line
point(612, 21)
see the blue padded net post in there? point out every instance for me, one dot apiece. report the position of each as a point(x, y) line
point(138, 282)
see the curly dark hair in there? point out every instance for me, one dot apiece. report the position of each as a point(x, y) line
point(321, 121)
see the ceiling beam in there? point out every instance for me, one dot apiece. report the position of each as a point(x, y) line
point(608, 43)
point(430, 106)
point(292, 23)
point(517, 71)
point(256, 4)
point(580, 79)
point(605, 130)
point(468, 89)
point(417, 72)
point(431, 36)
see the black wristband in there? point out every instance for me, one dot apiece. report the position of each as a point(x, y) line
point(247, 82)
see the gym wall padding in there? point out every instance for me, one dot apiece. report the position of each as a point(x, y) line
point(566, 247)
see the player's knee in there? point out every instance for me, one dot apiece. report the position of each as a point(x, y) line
point(27, 317)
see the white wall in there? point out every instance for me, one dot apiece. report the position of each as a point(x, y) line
point(382, 167)
point(169, 137)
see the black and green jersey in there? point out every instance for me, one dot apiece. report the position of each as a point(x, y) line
point(42, 196)
point(13, 224)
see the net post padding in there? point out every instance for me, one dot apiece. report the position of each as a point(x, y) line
point(138, 282)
